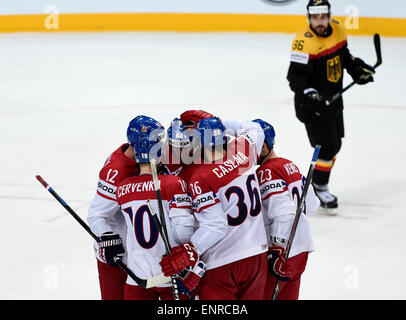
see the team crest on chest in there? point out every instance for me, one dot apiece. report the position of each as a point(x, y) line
point(334, 69)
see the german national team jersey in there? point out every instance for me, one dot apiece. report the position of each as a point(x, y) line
point(104, 214)
point(145, 246)
point(227, 205)
point(318, 62)
point(281, 186)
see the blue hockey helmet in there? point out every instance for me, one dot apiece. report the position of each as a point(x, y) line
point(176, 134)
point(212, 132)
point(269, 132)
point(145, 135)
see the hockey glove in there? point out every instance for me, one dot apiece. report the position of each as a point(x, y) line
point(190, 118)
point(315, 101)
point(277, 264)
point(110, 245)
point(362, 71)
point(181, 257)
point(190, 277)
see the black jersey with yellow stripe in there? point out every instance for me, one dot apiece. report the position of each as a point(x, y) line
point(318, 62)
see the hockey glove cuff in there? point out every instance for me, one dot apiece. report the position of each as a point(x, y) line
point(110, 245)
point(277, 264)
point(190, 277)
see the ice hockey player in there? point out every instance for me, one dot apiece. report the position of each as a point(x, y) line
point(144, 245)
point(319, 56)
point(230, 236)
point(107, 222)
point(281, 186)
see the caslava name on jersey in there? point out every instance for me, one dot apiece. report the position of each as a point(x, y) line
point(230, 165)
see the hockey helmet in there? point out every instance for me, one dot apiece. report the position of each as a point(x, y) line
point(212, 132)
point(145, 135)
point(176, 134)
point(318, 7)
point(269, 132)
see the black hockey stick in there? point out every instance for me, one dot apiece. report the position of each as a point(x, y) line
point(162, 224)
point(377, 43)
point(143, 283)
point(298, 212)
point(165, 239)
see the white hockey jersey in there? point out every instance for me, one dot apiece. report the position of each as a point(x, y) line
point(104, 214)
point(145, 246)
point(227, 204)
point(281, 186)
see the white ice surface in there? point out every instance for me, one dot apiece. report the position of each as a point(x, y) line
point(66, 100)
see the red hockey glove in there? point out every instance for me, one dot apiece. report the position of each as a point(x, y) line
point(190, 277)
point(190, 118)
point(277, 264)
point(180, 258)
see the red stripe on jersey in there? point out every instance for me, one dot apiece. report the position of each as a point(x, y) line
point(328, 51)
point(216, 200)
point(106, 197)
point(274, 193)
point(322, 168)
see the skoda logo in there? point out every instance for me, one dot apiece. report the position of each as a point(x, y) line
point(278, 1)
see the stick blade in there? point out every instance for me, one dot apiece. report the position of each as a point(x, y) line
point(157, 280)
point(377, 43)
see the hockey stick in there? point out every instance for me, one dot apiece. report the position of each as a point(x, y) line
point(299, 212)
point(377, 43)
point(165, 239)
point(162, 224)
point(143, 283)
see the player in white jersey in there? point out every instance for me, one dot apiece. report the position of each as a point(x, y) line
point(107, 222)
point(230, 237)
point(145, 246)
point(281, 188)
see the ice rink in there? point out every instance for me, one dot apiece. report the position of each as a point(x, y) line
point(65, 103)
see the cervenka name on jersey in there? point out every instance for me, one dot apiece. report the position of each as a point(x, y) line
point(144, 186)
